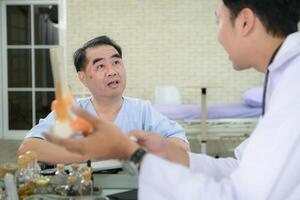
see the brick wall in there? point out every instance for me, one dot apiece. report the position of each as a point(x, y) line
point(165, 42)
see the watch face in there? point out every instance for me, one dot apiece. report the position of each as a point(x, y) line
point(131, 165)
point(130, 168)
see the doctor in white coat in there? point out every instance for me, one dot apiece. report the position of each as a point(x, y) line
point(255, 33)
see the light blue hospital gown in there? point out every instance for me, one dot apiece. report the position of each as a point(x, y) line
point(135, 114)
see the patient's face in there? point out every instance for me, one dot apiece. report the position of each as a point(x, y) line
point(104, 74)
point(229, 36)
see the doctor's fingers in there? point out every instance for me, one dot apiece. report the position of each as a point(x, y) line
point(149, 140)
point(140, 136)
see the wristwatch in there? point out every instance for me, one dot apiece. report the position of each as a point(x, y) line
point(131, 165)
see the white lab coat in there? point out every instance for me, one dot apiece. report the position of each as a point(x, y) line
point(267, 164)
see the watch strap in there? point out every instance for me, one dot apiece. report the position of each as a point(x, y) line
point(137, 155)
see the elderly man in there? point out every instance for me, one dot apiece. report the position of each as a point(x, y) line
point(100, 68)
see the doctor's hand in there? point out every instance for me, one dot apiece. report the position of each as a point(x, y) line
point(160, 146)
point(105, 142)
point(152, 142)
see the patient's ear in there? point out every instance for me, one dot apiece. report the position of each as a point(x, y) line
point(82, 77)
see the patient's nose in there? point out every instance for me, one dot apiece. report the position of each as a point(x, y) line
point(111, 71)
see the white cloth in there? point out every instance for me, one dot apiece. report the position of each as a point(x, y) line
point(267, 164)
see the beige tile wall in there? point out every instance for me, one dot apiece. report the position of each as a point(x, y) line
point(164, 42)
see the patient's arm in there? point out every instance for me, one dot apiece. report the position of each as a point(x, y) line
point(180, 143)
point(50, 153)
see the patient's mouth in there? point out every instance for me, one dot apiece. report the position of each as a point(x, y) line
point(113, 84)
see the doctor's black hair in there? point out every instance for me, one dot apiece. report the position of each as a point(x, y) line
point(79, 56)
point(279, 17)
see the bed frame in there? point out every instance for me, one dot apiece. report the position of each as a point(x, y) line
point(225, 133)
point(208, 128)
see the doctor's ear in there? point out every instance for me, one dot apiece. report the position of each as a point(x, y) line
point(246, 21)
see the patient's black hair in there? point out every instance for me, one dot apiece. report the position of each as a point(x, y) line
point(279, 17)
point(80, 54)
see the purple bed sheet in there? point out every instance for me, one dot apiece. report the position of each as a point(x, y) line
point(219, 111)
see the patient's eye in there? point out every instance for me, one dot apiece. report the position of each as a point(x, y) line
point(100, 66)
point(116, 61)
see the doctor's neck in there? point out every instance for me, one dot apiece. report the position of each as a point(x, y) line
point(264, 52)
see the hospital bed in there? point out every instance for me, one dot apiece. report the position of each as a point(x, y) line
point(223, 125)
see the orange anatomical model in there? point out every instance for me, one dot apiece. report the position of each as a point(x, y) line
point(66, 122)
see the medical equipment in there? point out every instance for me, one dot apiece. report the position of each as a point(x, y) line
point(66, 122)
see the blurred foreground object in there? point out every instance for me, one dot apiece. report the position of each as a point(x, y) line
point(66, 122)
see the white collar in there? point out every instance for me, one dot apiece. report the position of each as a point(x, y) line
point(291, 43)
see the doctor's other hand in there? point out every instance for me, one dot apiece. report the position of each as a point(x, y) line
point(160, 146)
point(152, 142)
point(105, 142)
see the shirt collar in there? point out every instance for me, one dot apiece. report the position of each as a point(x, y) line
point(290, 43)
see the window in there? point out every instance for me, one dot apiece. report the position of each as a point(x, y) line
point(30, 30)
